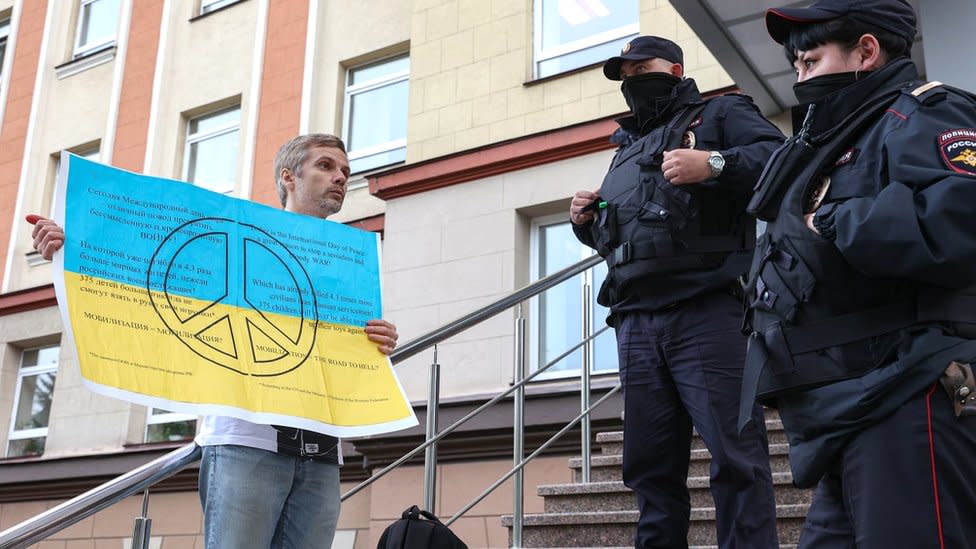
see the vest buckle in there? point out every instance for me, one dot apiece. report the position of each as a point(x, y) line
point(621, 254)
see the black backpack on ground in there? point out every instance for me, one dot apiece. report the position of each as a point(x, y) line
point(418, 529)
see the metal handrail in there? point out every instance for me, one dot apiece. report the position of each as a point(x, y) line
point(521, 465)
point(421, 343)
point(450, 429)
point(105, 495)
point(76, 509)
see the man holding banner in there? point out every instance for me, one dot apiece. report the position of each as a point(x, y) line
point(267, 486)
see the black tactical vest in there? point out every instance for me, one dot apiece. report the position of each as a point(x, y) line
point(813, 319)
point(646, 225)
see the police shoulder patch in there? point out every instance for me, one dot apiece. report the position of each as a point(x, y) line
point(958, 148)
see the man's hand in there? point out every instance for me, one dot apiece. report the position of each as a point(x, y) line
point(581, 200)
point(383, 333)
point(48, 235)
point(686, 166)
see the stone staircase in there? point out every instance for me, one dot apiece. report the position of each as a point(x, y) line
point(604, 513)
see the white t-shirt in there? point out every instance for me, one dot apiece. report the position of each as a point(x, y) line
point(221, 430)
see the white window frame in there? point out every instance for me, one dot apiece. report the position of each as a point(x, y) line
point(207, 6)
point(366, 87)
point(541, 55)
point(535, 310)
point(159, 419)
point(93, 153)
point(192, 139)
point(5, 38)
point(99, 43)
point(38, 370)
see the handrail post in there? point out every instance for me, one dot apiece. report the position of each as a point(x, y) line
point(430, 454)
point(518, 482)
point(585, 368)
point(143, 527)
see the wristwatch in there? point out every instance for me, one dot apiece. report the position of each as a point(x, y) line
point(716, 162)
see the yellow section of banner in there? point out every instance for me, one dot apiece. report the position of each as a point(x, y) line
point(192, 351)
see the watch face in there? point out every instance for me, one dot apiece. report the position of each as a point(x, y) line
point(716, 162)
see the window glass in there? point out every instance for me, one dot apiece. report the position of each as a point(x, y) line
point(560, 309)
point(377, 97)
point(32, 402)
point(166, 426)
point(4, 35)
point(575, 33)
point(212, 143)
point(211, 5)
point(97, 23)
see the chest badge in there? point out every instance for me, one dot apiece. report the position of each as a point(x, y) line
point(817, 195)
point(688, 140)
point(958, 148)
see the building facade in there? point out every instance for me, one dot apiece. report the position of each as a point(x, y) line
point(469, 124)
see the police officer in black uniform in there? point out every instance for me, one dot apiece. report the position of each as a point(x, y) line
point(670, 220)
point(861, 321)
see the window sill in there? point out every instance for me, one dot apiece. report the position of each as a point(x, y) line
point(85, 62)
point(199, 16)
point(558, 75)
point(34, 259)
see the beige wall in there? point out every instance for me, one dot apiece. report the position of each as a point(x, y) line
point(69, 112)
point(454, 249)
point(176, 523)
point(206, 64)
point(382, 28)
point(471, 75)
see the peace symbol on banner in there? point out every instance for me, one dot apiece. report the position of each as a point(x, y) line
point(235, 295)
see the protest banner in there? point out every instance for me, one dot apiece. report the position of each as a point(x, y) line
point(184, 299)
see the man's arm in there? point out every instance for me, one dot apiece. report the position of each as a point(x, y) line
point(748, 140)
point(48, 235)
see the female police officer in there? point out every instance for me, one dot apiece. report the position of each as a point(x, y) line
point(861, 324)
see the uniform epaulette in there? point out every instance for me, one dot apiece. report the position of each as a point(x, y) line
point(926, 91)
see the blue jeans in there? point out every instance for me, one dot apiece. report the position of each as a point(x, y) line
point(682, 367)
point(255, 499)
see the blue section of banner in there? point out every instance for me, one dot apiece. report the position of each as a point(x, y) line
point(181, 240)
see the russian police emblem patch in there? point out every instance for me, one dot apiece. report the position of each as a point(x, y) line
point(958, 148)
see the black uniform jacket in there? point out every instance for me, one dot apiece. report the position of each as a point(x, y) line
point(729, 124)
point(896, 219)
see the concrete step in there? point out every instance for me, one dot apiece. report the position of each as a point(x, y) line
point(616, 528)
point(612, 443)
point(614, 496)
point(701, 460)
point(606, 468)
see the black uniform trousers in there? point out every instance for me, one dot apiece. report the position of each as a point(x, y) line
point(904, 482)
point(682, 367)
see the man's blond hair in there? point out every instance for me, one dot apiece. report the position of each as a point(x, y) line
point(292, 155)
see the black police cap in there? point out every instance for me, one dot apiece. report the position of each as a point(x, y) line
point(894, 16)
point(641, 48)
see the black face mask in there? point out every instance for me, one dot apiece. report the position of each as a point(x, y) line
point(815, 89)
point(649, 96)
